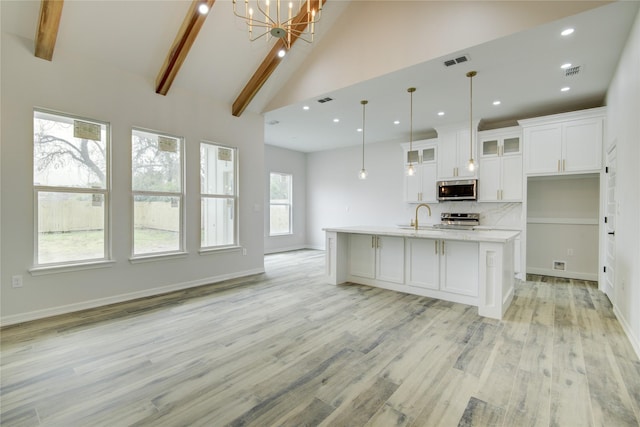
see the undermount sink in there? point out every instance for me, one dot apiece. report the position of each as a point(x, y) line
point(420, 227)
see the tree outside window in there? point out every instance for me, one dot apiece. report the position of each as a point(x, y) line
point(71, 188)
point(280, 204)
point(218, 196)
point(158, 193)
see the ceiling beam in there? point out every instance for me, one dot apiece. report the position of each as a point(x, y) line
point(47, 32)
point(181, 45)
point(268, 65)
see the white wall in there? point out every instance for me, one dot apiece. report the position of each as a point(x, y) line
point(562, 225)
point(281, 160)
point(83, 87)
point(336, 197)
point(623, 129)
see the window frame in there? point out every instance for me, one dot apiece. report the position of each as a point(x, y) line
point(77, 264)
point(235, 197)
point(289, 204)
point(181, 251)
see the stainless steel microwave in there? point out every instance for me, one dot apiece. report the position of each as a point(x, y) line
point(465, 189)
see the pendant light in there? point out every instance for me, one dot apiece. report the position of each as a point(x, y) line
point(363, 172)
point(471, 165)
point(411, 170)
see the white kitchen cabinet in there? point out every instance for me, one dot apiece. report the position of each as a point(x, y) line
point(564, 143)
point(421, 187)
point(459, 267)
point(454, 152)
point(377, 257)
point(500, 166)
point(423, 263)
point(445, 265)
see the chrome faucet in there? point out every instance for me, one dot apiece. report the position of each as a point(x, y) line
point(417, 208)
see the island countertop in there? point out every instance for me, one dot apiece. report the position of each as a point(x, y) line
point(477, 235)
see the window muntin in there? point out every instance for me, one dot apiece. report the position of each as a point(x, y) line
point(218, 196)
point(71, 189)
point(280, 204)
point(157, 161)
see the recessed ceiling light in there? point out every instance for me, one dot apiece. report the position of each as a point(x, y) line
point(203, 9)
point(567, 32)
point(565, 66)
point(496, 102)
point(306, 107)
point(396, 122)
point(281, 53)
point(359, 130)
point(565, 89)
point(336, 120)
point(441, 113)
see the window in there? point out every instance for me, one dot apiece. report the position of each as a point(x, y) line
point(71, 189)
point(158, 194)
point(280, 204)
point(218, 196)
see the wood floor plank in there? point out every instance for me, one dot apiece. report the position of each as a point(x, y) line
point(284, 348)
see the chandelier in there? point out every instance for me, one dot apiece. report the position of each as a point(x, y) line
point(276, 18)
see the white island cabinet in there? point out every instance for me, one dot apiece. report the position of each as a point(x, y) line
point(468, 267)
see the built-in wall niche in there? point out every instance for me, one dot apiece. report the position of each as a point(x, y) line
point(562, 226)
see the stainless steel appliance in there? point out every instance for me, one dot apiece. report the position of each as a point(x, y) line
point(458, 221)
point(464, 189)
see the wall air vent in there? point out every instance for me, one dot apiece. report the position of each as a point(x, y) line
point(572, 71)
point(454, 61)
point(559, 265)
point(323, 100)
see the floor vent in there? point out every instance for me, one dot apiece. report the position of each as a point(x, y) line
point(323, 100)
point(572, 71)
point(454, 61)
point(559, 265)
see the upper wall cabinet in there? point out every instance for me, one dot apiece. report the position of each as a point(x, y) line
point(500, 165)
point(564, 143)
point(454, 151)
point(421, 187)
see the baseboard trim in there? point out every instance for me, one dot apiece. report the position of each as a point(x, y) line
point(565, 274)
point(100, 302)
point(285, 249)
point(627, 330)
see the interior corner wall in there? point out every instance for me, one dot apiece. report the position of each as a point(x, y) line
point(281, 160)
point(623, 130)
point(84, 87)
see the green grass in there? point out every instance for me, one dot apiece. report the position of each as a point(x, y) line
point(87, 245)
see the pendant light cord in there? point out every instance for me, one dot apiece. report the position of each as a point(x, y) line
point(363, 102)
point(471, 74)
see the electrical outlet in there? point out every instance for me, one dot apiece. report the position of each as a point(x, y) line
point(16, 281)
point(570, 251)
point(244, 251)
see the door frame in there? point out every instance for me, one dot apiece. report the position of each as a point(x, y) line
point(608, 242)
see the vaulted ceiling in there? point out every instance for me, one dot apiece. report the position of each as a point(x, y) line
point(363, 50)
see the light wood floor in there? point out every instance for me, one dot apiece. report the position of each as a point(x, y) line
point(285, 349)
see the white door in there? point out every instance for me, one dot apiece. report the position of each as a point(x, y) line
point(611, 224)
point(459, 267)
point(422, 268)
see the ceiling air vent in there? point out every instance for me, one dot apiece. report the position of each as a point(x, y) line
point(454, 61)
point(572, 71)
point(323, 100)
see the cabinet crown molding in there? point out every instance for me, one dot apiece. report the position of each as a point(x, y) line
point(563, 117)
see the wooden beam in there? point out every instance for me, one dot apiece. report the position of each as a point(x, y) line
point(268, 65)
point(47, 32)
point(181, 45)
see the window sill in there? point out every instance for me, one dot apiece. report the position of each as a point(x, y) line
point(157, 257)
point(54, 269)
point(209, 251)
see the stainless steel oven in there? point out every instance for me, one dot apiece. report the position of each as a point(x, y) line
point(464, 189)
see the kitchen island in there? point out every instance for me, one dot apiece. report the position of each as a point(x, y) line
point(474, 267)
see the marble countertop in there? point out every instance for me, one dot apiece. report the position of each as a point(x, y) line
point(477, 235)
